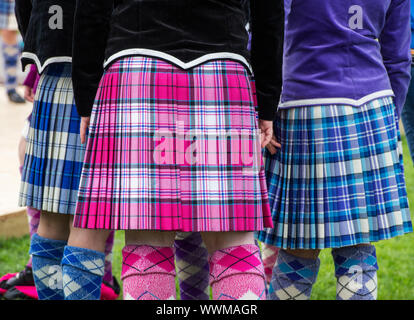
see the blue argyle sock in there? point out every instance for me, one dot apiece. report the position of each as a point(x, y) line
point(11, 57)
point(83, 270)
point(293, 277)
point(46, 258)
point(356, 273)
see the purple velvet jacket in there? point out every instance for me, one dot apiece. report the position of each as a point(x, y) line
point(346, 52)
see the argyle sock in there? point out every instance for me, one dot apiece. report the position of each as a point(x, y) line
point(10, 56)
point(356, 273)
point(33, 216)
point(108, 277)
point(148, 273)
point(191, 258)
point(46, 257)
point(269, 256)
point(236, 273)
point(293, 277)
point(83, 271)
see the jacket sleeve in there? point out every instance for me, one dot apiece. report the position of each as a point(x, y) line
point(90, 34)
point(267, 26)
point(395, 40)
point(23, 10)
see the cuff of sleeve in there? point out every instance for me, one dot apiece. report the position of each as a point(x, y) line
point(84, 107)
point(267, 107)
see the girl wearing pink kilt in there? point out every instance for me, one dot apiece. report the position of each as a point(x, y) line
point(174, 138)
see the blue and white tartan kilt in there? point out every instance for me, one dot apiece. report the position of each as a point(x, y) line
point(7, 17)
point(54, 153)
point(338, 179)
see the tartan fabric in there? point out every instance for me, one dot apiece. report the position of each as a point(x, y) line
point(164, 154)
point(7, 17)
point(54, 153)
point(338, 179)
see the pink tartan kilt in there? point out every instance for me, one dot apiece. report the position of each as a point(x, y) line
point(173, 149)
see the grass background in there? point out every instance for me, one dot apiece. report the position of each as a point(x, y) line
point(395, 258)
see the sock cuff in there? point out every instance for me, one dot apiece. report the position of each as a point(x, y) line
point(235, 260)
point(141, 260)
point(47, 248)
point(300, 270)
point(84, 259)
point(347, 257)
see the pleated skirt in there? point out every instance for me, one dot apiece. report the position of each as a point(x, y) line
point(54, 153)
point(173, 149)
point(338, 179)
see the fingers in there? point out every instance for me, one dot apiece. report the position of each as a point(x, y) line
point(267, 136)
point(83, 134)
point(274, 143)
point(83, 128)
point(271, 149)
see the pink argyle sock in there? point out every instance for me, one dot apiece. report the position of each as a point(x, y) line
point(269, 256)
point(236, 273)
point(148, 273)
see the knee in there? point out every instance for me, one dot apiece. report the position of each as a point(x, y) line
point(93, 239)
point(54, 226)
point(304, 254)
point(150, 238)
point(220, 240)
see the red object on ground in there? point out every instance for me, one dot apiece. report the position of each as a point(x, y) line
point(107, 293)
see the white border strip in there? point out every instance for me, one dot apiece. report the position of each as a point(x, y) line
point(178, 62)
point(40, 67)
point(345, 101)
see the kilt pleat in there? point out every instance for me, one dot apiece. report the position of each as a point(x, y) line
point(54, 154)
point(338, 179)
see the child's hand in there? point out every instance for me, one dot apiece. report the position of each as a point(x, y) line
point(84, 127)
point(266, 132)
point(28, 94)
point(267, 139)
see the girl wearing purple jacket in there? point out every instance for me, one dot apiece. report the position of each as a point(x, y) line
point(338, 180)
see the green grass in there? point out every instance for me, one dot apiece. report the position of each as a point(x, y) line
point(395, 258)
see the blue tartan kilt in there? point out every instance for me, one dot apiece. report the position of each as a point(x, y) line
point(54, 153)
point(338, 179)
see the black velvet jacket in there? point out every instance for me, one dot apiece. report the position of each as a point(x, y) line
point(184, 32)
point(47, 30)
